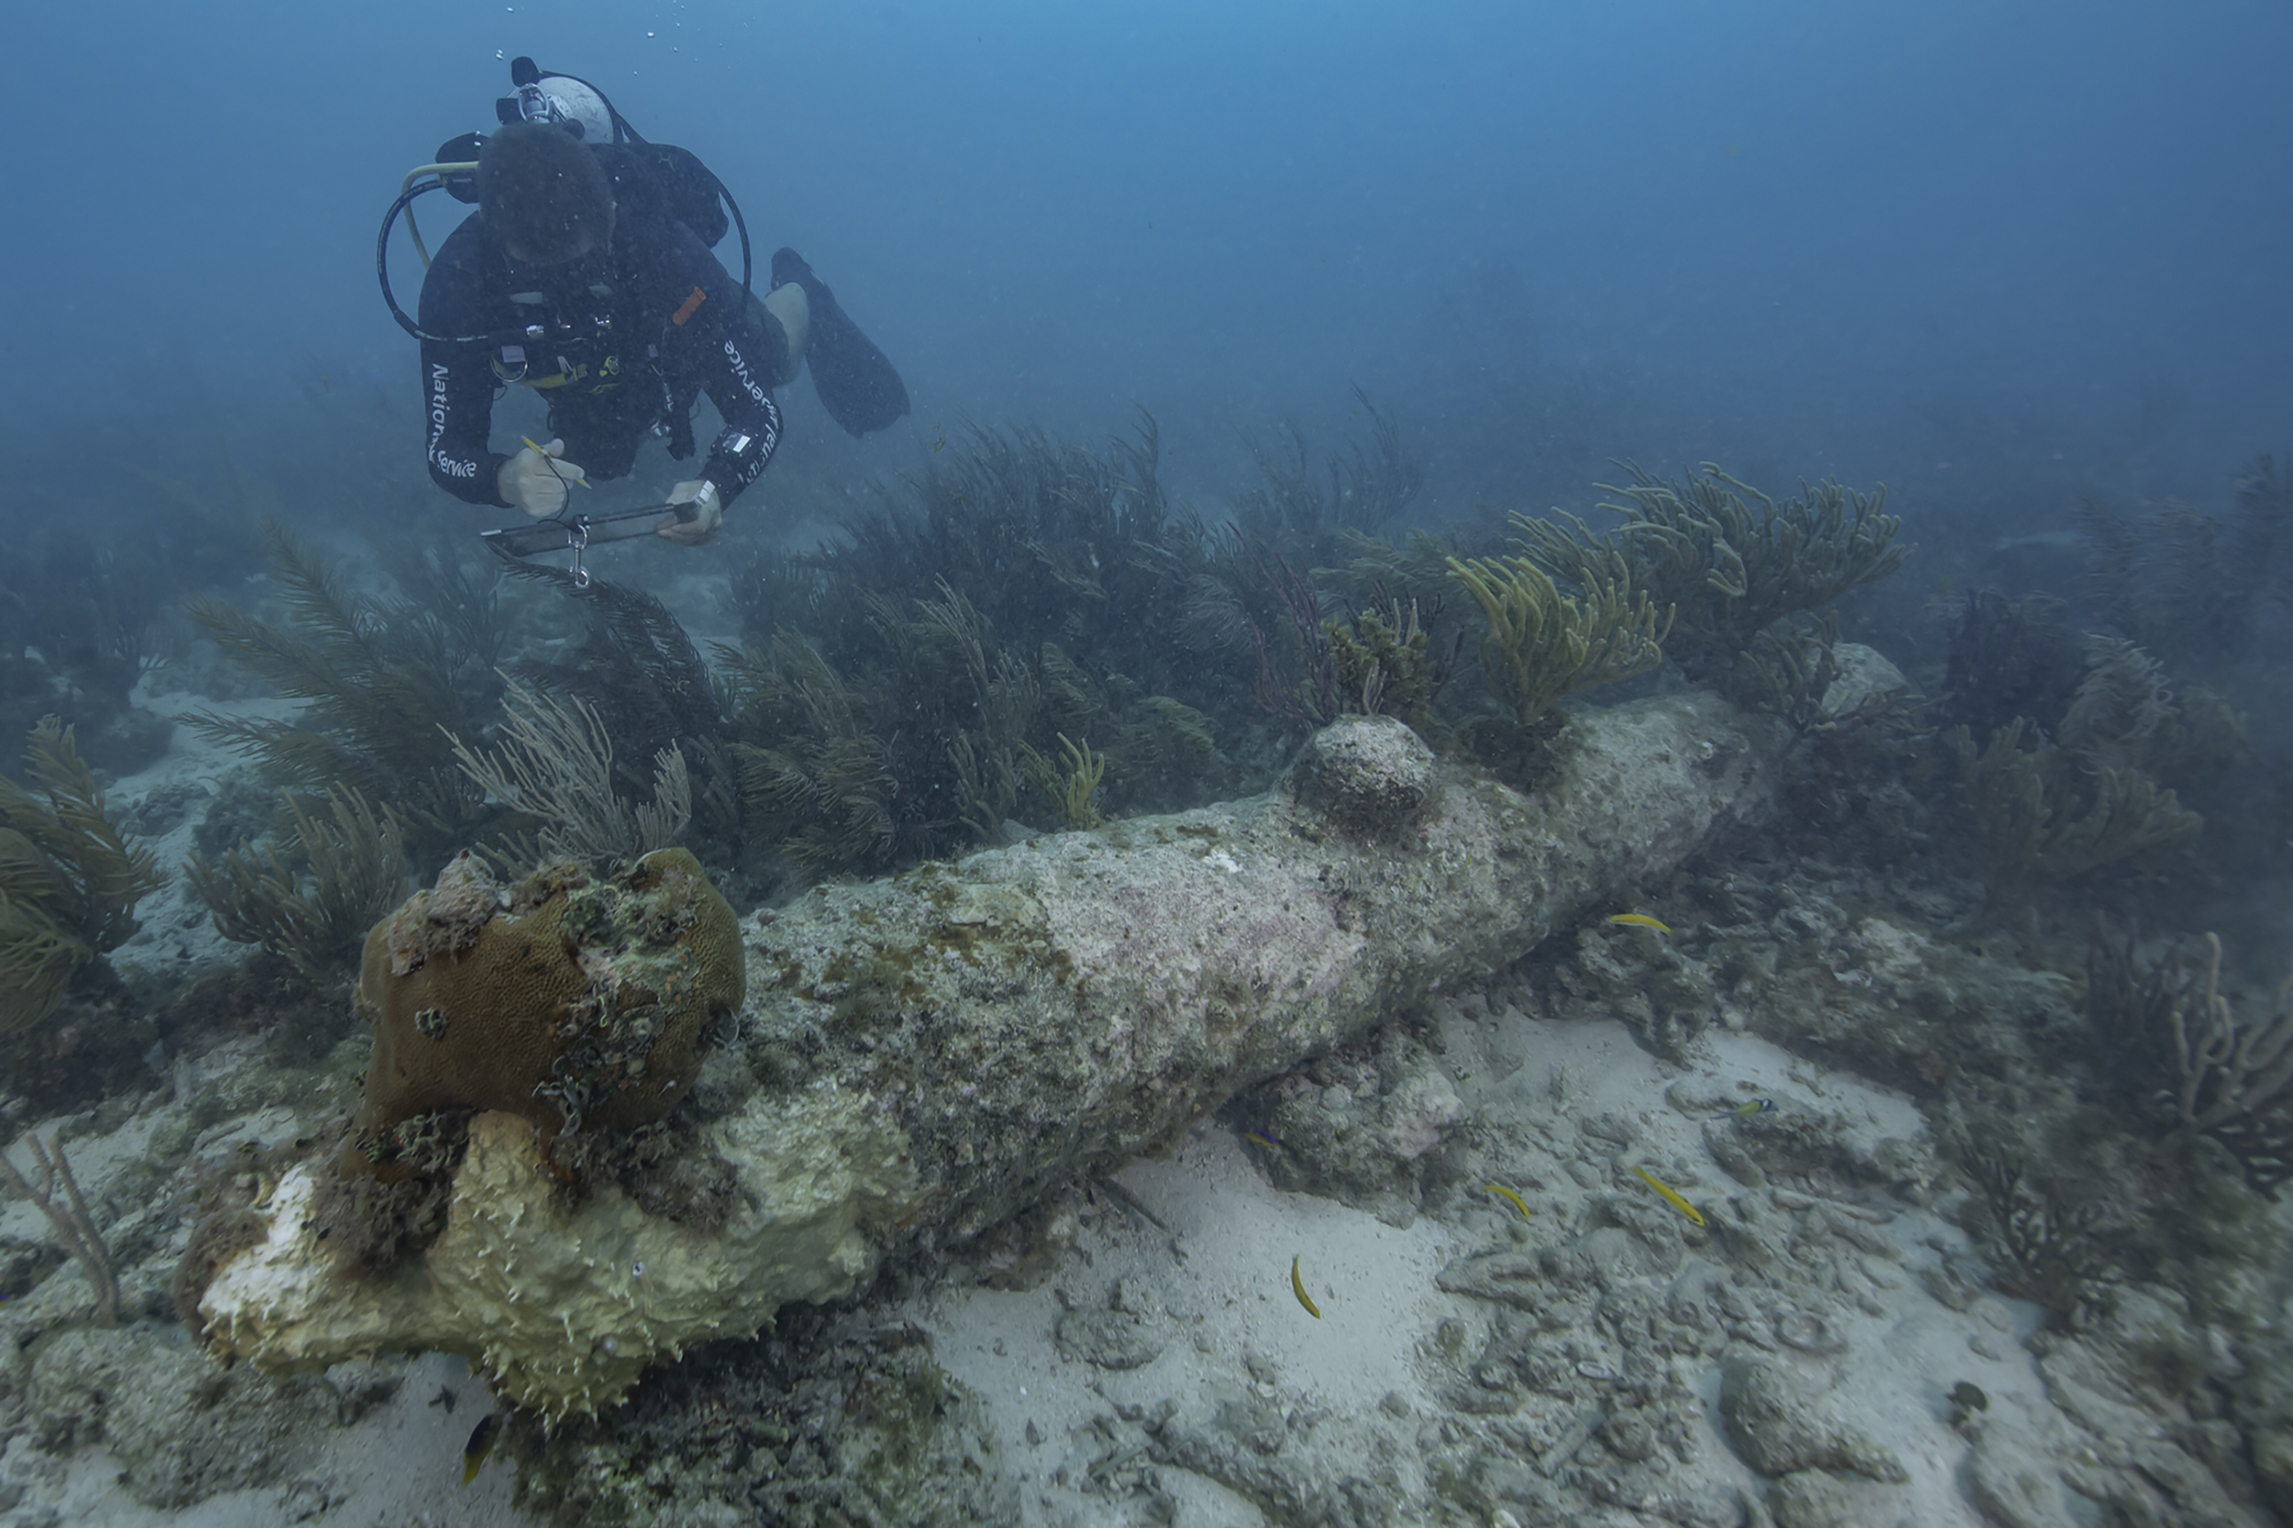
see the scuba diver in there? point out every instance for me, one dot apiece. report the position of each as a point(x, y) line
point(587, 274)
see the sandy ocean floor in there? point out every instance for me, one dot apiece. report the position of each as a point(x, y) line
point(1222, 1273)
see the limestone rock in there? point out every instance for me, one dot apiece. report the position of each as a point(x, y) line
point(1363, 1124)
point(182, 1428)
point(444, 919)
point(1366, 774)
point(1329, 1470)
point(1110, 1339)
point(1864, 673)
point(2013, 1483)
point(1817, 1499)
point(1779, 1419)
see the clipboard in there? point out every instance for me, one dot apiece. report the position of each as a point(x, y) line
point(578, 533)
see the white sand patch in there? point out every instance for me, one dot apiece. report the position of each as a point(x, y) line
point(1223, 1273)
point(400, 1464)
point(178, 938)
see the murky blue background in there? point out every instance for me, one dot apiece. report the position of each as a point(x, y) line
point(1997, 253)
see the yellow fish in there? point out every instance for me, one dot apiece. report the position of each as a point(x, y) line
point(1518, 1202)
point(1298, 1288)
point(1671, 1198)
point(1639, 920)
point(480, 1447)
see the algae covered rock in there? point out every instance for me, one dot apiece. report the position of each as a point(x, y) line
point(1302, 1465)
point(1111, 1339)
point(826, 1422)
point(182, 1428)
point(1817, 1499)
point(1366, 774)
point(1631, 974)
point(1864, 675)
point(1780, 1420)
point(2013, 1482)
point(571, 1000)
point(1129, 1333)
point(1362, 1124)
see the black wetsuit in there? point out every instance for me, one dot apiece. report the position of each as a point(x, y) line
point(674, 326)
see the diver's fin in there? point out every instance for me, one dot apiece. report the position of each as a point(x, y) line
point(855, 380)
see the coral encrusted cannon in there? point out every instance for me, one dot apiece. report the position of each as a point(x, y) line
point(572, 999)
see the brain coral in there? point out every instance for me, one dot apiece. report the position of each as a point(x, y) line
point(575, 1001)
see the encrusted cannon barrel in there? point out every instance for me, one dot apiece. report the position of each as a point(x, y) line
point(922, 1056)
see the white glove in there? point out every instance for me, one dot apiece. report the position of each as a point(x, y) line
point(537, 481)
point(709, 513)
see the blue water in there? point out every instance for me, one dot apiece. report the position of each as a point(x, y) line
point(2007, 257)
point(1955, 245)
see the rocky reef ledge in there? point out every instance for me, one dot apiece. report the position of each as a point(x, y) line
point(919, 1058)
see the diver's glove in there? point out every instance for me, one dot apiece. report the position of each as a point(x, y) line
point(709, 513)
point(537, 480)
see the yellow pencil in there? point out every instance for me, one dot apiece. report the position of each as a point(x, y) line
point(579, 476)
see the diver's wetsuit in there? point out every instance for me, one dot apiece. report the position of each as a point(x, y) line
point(643, 368)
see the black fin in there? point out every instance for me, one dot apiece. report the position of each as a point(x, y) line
point(856, 381)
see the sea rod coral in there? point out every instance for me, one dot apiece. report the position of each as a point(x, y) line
point(69, 878)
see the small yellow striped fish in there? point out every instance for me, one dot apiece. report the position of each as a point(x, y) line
point(1298, 1288)
point(1639, 920)
point(1518, 1202)
point(1671, 1198)
point(480, 1448)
